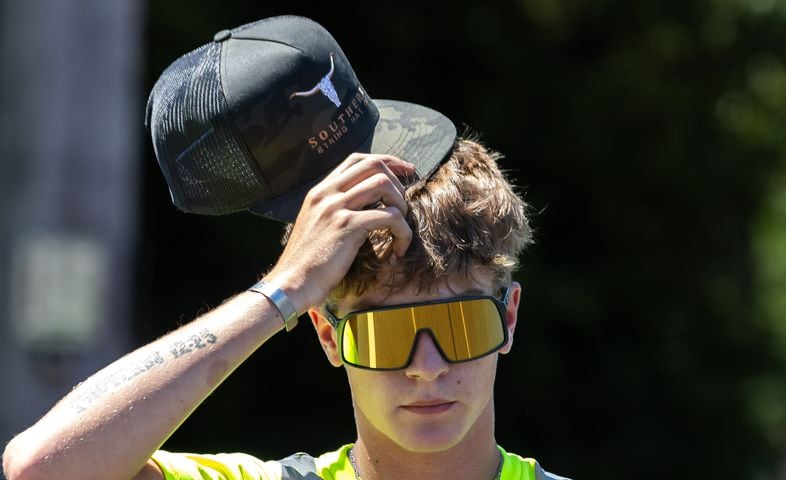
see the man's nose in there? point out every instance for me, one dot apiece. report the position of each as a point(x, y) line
point(427, 362)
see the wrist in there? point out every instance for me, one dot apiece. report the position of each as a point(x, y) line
point(280, 300)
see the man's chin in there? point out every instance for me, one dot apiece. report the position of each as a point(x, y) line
point(430, 441)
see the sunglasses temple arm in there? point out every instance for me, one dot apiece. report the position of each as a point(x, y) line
point(331, 318)
point(506, 298)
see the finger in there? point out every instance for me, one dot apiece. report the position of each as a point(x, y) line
point(362, 170)
point(357, 157)
point(388, 218)
point(358, 174)
point(395, 164)
point(374, 189)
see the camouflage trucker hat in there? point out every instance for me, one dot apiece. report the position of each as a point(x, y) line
point(257, 117)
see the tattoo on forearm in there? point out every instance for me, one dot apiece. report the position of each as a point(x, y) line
point(114, 379)
point(194, 342)
point(124, 374)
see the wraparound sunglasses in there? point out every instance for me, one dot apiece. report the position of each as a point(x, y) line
point(463, 328)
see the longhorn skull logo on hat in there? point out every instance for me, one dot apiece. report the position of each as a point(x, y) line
point(325, 86)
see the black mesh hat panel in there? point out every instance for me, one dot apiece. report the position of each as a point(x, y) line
point(197, 144)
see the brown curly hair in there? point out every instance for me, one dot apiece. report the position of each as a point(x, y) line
point(466, 219)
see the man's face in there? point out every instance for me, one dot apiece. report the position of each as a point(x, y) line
point(430, 405)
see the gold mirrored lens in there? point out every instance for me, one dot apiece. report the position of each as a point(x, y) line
point(464, 330)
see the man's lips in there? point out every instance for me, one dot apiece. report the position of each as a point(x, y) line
point(429, 407)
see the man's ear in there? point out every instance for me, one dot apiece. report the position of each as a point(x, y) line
point(511, 314)
point(327, 336)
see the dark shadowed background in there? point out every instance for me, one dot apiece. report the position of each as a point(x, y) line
point(648, 138)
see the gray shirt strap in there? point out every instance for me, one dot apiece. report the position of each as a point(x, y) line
point(300, 466)
point(541, 474)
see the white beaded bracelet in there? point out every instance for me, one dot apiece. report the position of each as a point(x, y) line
point(280, 300)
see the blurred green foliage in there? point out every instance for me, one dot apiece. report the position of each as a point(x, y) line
point(649, 139)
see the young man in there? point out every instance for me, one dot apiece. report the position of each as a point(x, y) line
point(404, 269)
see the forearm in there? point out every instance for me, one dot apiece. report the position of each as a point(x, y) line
point(109, 425)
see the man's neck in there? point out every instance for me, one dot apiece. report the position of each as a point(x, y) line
point(475, 457)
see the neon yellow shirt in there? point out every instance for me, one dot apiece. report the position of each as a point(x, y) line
point(329, 466)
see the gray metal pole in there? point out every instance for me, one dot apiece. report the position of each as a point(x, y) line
point(70, 115)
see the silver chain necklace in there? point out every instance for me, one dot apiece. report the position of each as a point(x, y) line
point(351, 455)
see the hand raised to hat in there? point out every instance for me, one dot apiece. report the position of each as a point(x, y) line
point(334, 222)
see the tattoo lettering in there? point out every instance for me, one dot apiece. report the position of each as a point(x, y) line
point(96, 388)
point(194, 342)
point(113, 380)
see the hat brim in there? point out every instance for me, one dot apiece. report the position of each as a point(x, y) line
point(417, 134)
